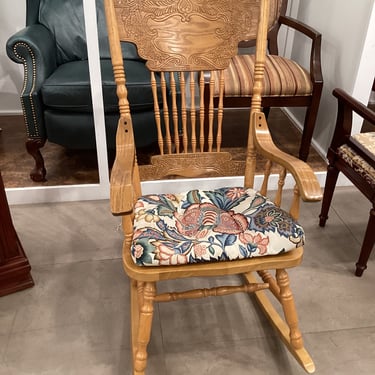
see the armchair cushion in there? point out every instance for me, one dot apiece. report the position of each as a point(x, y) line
point(283, 77)
point(355, 161)
point(201, 226)
point(73, 77)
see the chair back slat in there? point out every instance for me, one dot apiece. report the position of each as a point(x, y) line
point(168, 139)
point(157, 113)
point(220, 111)
point(210, 137)
point(176, 138)
point(267, 172)
point(193, 117)
point(295, 205)
point(279, 193)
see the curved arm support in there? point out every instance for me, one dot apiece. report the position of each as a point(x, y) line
point(124, 169)
point(304, 176)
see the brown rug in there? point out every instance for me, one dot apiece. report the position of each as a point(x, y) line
point(67, 167)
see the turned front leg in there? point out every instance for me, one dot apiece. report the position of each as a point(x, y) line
point(290, 313)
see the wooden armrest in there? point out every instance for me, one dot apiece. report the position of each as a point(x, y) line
point(356, 106)
point(300, 26)
point(304, 176)
point(343, 128)
point(316, 37)
point(121, 184)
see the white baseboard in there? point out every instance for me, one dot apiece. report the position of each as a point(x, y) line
point(49, 194)
point(7, 112)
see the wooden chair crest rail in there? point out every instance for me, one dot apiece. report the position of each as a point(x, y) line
point(199, 233)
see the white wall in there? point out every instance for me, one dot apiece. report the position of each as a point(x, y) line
point(344, 26)
point(12, 19)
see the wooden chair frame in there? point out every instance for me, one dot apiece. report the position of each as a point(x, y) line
point(125, 176)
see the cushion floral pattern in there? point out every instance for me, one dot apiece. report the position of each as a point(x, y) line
point(206, 226)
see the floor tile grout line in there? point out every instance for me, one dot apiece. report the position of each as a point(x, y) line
point(359, 242)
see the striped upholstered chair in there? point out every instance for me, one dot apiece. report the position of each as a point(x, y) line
point(354, 156)
point(286, 83)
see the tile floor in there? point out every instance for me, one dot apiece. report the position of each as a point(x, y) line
point(76, 321)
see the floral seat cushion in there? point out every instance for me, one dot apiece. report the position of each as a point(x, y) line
point(206, 226)
point(282, 77)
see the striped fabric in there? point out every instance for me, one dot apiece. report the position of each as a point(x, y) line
point(283, 77)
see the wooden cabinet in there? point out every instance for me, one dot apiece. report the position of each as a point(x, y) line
point(14, 266)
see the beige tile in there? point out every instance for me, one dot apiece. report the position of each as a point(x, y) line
point(68, 294)
point(211, 320)
point(68, 232)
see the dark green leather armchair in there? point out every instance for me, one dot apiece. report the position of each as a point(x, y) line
point(56, 97)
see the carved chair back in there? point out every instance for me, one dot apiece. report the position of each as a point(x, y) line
point(184, 43)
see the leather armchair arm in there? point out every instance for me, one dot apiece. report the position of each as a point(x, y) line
point(122, 194)
point(34, 47)
point(316, 38)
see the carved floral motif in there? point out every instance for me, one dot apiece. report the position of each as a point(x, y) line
point(174, 35)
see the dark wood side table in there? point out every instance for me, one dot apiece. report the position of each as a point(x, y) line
point(14, 266)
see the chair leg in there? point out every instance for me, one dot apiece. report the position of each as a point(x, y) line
point(142, 299)
point(288, 328)
point(290, 313)
point(331, 179)
point(367, 245)
point(308, 130)
point(135, 291)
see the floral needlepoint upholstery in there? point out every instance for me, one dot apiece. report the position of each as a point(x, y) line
point(202, 226)
point(361, 166)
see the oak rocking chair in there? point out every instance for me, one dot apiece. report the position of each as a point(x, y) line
point(201, 233)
